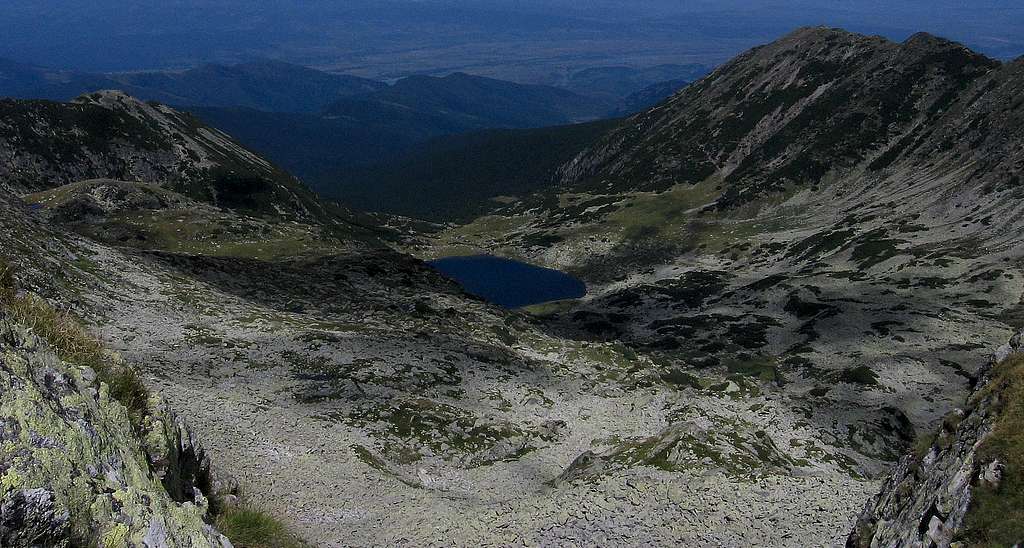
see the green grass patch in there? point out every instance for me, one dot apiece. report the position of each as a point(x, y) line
point(996, 515)
point(169, 222)
point(249, 527)
point(213, 234)
point(761, 367)
point(73, 344)
point(874, 248)
point(658, 214)
point(482, 235)
point(680, 378)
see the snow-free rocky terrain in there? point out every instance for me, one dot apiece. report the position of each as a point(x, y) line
point(797, 265)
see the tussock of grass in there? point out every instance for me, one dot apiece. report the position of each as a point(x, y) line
point(72, 344)
point(996, 516)
point(127, 387)
point(253, 528)
point(923, 443)
point(58, 328)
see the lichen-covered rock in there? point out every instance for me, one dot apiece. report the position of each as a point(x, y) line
point(31, 517)
point(175, 454)
point(924, 500)
point(73, 471)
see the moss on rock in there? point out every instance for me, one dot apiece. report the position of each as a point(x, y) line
point(73, 469)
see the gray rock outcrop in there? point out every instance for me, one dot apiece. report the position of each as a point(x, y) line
point(73, 470)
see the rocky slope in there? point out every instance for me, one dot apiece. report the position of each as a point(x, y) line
point(350, 387)
point(814, 102)
point(830, 222)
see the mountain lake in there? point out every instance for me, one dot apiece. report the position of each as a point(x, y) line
point(509, 283)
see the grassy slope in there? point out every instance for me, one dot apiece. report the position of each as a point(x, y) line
point(63, 332)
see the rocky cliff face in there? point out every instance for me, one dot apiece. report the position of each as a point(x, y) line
point(926, 498)
point(74, 471)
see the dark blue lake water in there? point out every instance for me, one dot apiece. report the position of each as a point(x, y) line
point(509, 283)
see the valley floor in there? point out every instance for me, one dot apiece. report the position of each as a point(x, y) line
point(301, 407)
point(370, 402)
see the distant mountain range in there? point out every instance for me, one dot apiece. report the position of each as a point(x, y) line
point(263, 85)
point(379, 127)
point(347, 135)
point(650, 96)
point(520, 40)
point(460, 101)
point(618, 83)
point(274, 86)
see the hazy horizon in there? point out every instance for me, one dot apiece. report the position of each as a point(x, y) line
point(522, 40)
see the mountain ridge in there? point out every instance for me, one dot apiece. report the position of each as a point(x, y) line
point(750, 137)
point(110, 135)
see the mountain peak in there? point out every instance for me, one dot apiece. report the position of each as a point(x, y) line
point(929, 42)
point(928, 39)
point(824, 35)
point(787, 113)
point(822, 31)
